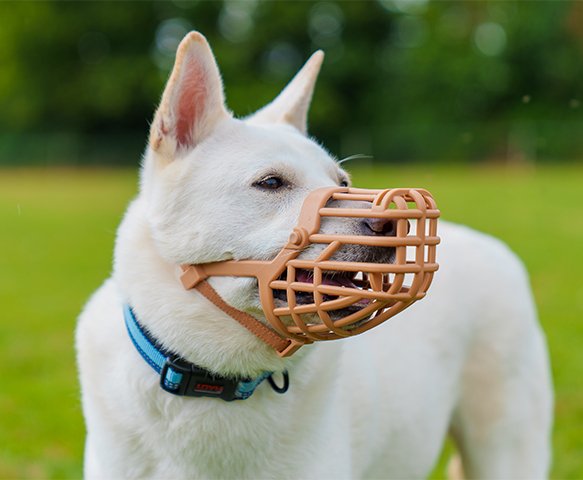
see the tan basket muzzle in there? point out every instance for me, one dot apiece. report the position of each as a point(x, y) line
point(325, 285)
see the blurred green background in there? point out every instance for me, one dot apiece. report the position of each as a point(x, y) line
point(403, 79)
point(478, 101)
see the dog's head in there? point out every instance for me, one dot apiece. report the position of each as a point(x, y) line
point(223, 188)
point(217, 188)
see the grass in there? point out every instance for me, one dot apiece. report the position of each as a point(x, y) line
point(58, 228)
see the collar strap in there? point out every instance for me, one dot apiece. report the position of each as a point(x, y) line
point(179, 377)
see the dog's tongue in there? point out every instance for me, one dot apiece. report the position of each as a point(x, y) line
point(336, 279)
point(341, 280)
point(304, 276)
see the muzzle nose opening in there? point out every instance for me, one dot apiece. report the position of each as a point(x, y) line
point(385, 227)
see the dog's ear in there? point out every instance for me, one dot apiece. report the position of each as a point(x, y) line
point(292, 104)
point(193, 101)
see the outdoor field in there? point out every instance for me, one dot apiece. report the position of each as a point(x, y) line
point(57, 233)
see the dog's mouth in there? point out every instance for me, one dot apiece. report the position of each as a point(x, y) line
point(335, 279)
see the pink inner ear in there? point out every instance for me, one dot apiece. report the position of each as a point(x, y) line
point(191, 102)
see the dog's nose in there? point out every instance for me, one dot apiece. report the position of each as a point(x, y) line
point(380, 226)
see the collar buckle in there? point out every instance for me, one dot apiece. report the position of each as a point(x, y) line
point(185, 379)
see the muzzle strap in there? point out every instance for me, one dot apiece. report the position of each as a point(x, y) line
point(283, 346)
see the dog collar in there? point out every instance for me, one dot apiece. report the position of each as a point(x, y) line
point(179, 377)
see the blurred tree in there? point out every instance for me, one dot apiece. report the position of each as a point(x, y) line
point(403, 79)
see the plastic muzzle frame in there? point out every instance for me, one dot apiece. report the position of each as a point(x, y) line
point(370, 292)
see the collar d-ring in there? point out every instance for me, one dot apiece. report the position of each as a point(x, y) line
point(275, 386)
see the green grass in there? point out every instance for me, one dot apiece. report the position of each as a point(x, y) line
point(57, 231)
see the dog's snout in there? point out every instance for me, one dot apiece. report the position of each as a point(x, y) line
point(380, 226)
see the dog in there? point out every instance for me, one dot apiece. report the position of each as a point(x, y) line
point(468, 361)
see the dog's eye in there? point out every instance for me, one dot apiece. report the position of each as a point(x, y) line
point(269, 183)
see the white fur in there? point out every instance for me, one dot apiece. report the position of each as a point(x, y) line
point(469, 359)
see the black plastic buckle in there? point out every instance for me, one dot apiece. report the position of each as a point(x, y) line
point(197, 382)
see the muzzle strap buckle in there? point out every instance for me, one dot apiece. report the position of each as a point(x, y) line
point(292, 347)
point(192, 275)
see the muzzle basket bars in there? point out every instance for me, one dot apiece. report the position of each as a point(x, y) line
point(375, 292)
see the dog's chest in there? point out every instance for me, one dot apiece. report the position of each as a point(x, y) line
point(329, 431)
point(200, 438)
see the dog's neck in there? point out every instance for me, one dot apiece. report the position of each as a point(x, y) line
point(184, 321)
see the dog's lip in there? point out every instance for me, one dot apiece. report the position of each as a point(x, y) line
point(337, 279)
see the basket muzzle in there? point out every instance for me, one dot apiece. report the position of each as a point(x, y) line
point(311, 292)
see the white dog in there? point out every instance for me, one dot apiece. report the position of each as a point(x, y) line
point(469, 360)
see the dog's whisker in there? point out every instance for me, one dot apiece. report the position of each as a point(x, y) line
point(354, 157)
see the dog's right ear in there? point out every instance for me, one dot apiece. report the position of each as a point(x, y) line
point(193, 102)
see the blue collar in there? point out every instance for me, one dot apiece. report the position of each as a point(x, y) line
point(180, 377)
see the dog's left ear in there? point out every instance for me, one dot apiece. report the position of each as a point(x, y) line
point(292, 104)
point(193, 102)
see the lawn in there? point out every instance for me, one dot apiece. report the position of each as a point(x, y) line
point(58, 228)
